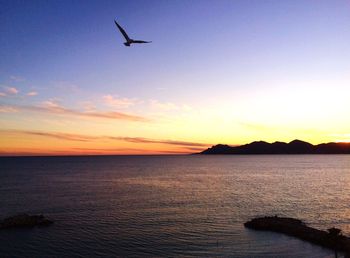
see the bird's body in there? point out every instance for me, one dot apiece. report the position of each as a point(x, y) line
point(129, 41)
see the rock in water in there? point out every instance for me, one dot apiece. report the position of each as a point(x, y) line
point(296, 228)
point(24, 220)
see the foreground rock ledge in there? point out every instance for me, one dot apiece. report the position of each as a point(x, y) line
point(24, 220)
point(293, 227)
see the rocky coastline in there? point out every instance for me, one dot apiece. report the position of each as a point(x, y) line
point(332, 238)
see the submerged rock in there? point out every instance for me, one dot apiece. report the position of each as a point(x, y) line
point(24, 220)
point(296, 228)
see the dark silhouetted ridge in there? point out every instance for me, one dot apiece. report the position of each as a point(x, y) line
point(294, 147)
point(222, 148)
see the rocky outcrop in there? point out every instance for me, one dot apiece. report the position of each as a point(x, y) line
point(24, 220)
point(293, 227)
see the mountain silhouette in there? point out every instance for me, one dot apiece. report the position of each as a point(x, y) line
point(294, 147)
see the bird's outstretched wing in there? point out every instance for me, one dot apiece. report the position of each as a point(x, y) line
point(122, 31)
point(141, 41)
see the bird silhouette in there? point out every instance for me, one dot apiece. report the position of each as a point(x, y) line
point(129, 41)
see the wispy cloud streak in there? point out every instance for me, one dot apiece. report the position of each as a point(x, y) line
point(117, 102)
point(16, 78)
point(7, 109)
point(91, 138)
point(32, 93)
point(54, 108)
point(147, 140)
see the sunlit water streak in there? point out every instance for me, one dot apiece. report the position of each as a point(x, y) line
point(171, 205)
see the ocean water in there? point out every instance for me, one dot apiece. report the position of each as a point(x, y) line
point(132, 206)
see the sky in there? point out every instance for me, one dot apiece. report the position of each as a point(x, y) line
point(227, 72)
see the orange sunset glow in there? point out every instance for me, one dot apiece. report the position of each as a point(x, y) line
point(171, 96)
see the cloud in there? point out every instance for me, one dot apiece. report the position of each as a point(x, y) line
point(118, 151)
point(147, 140)
point(17, 78)
point(88, 105)
point(341, 137)
point(91, 138)
point(113, 115)
point(53, 107)
point(7, 109)
point(61, 136)
point(66, 86)
point(167, 106)
point(32, 93)
point(56, 135)
point(10, 90)
point(117, 102)
point(347, 135)
point(35, 152)
point(51, 103)
point(123, 151)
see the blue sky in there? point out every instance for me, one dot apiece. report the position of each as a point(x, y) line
point(204, 55)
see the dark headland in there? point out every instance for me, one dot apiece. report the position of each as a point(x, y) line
point(332, 239)
point(294, 147)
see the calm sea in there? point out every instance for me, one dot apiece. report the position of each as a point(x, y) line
point(171, 205)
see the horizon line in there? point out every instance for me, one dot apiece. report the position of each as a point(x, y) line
point(170, 153)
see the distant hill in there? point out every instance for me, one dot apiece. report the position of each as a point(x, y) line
point(294, 147)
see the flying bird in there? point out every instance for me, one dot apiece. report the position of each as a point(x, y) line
point(129, 41)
